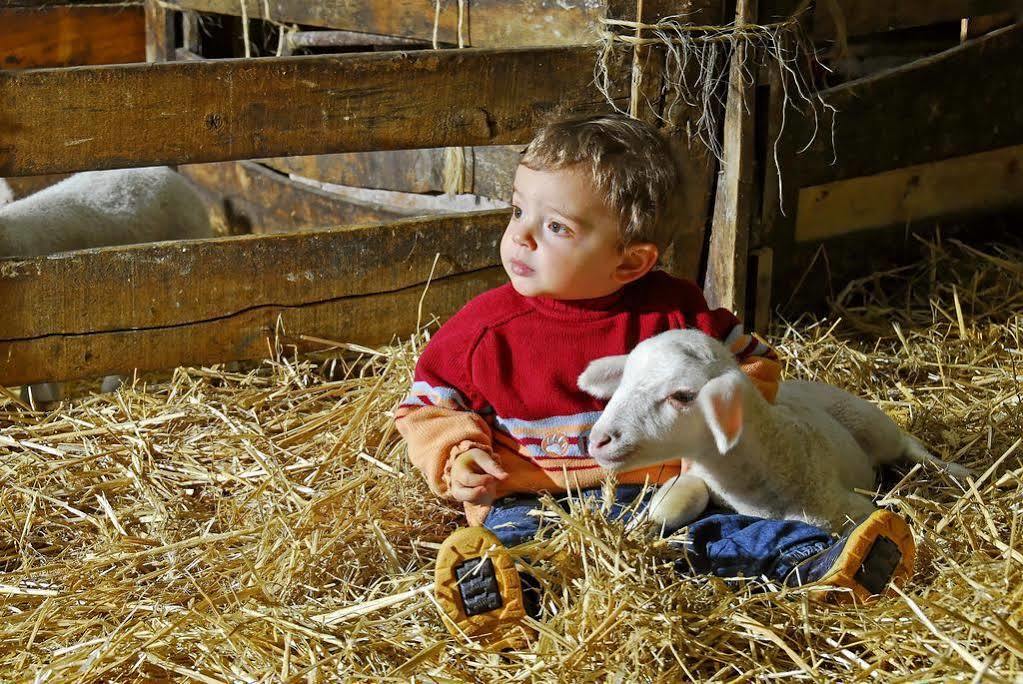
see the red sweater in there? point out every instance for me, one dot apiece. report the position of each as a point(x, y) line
point(501, 374)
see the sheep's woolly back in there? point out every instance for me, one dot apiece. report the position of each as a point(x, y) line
point(103, 208)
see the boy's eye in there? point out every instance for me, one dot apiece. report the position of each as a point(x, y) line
point(516, 212)
point(558, 228)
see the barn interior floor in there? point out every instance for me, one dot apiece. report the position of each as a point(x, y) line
point(264, 525)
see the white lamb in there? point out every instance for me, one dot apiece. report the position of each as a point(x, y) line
point(99, 209)
point(681, 393)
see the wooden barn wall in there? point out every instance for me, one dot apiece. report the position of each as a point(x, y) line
point(59, 35)
point(938, 140)
point(56, 121)
point(207, 301)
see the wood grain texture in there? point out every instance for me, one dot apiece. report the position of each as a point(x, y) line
point(961, 101)
point(259, 200)
point(62, 36)
point(863, 17)
point(725, 282)
point(249, 333)
point(159, 32)
point(55, 121)
point(160, 305)
point(491, 169)
point(983, 182)
point(490, 23)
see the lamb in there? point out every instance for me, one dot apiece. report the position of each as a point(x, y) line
point(99, 209)
point(681, 393)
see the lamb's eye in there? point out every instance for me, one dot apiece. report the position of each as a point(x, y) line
point(682, 397)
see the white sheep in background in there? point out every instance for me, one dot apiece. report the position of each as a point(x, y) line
point(681, 394)
point(100, 209)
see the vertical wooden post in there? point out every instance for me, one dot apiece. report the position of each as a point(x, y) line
point(190, 32)
point(159, 32)
point(763, 258)
point(725, 284)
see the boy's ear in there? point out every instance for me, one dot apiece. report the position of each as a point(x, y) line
point(637, 260)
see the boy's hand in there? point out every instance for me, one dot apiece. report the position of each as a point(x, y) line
point(474, 476)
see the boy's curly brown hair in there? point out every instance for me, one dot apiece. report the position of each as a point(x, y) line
point(631, 163)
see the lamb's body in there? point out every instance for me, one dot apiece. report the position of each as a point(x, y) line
point(103, 208)
point(100, 209)
point(800, 458)
point(800, 462)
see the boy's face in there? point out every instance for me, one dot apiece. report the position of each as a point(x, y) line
point(562, 240)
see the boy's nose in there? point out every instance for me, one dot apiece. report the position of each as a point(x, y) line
point(524, 239)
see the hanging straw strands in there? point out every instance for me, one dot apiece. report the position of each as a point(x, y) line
point(265, 525)
point(696, 68)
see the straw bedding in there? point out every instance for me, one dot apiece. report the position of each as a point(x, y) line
point(264, 526)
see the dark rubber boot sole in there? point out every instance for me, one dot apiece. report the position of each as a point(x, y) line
point(478, 587)
point(880, 553)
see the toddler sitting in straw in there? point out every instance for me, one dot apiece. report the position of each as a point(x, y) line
point(495, 418)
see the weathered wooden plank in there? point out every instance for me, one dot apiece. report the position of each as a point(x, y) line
point(41, 4)
point(259, 200)
point(962, 101)
point(982, 182)
point(490, 23)
point(138, 115)
point(61, 36)
point(248, 333)
point(159, 32)
point(874, 16)
point(308, 39)
point(492, 169)
point(177, 302)
point(162, 284)
point(725, 283)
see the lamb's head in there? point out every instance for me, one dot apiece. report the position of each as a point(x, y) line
point(677, 394)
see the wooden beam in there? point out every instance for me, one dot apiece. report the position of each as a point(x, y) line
point(725, 284)
point(83, 314)
point(961, 101)
point(258, 200)
point(763, 260)
point(308, 39)
point(159, 32)
point(61, 36)
point(983, 182)
point(493, 169)
point(863, 17)
point(218, 110)
point(371, 320)
point(489, 24)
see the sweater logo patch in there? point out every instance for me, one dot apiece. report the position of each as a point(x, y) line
point(555, 445)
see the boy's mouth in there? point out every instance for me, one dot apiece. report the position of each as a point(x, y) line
point(519, 268)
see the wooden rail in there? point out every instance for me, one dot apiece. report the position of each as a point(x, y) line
point(958, 102)
point(60, 35)
point(161, 305)
point(61, 120)
point(861, 17)
point(486, 23)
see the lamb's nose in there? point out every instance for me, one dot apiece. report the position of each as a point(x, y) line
point(602, 439)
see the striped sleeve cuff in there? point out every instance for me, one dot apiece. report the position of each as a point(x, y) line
point(425, 394)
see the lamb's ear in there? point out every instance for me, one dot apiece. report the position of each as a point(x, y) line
point(720, 400)
point(601, 377)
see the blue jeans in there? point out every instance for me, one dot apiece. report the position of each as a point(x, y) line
point(722, 542)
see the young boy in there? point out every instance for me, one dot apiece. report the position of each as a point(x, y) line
point(495, 417)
